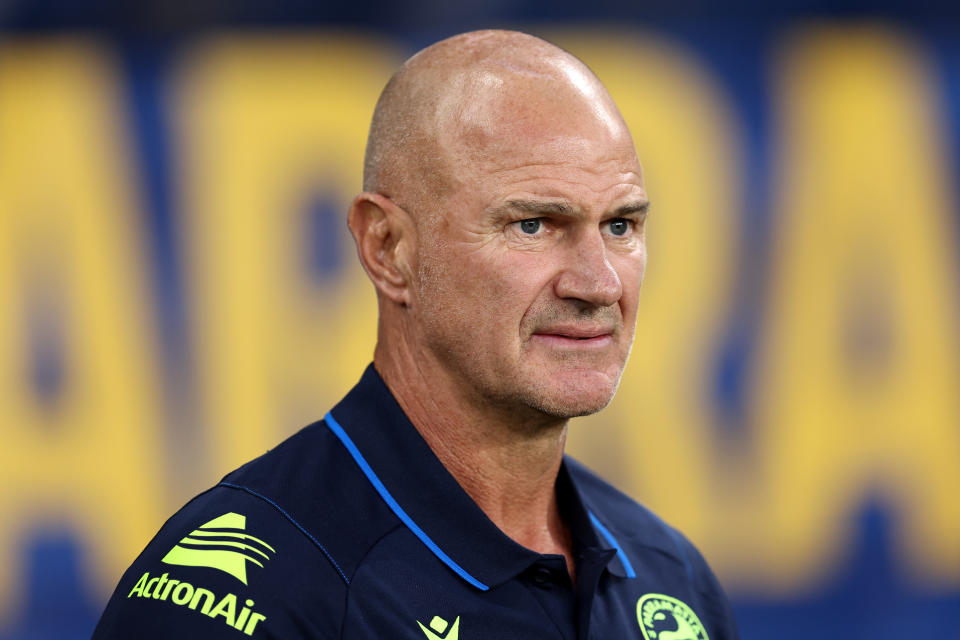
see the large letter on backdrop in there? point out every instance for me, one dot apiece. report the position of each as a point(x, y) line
point(81, 448)
point(273, 136)
point(858, 379)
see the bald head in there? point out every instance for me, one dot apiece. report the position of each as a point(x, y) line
point(455, 102)
point(502, 225)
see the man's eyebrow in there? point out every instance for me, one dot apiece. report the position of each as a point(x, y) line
point(641, 206)
point(553, 207)
point(561, 208)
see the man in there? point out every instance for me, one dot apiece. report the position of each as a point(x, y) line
point(502, 224)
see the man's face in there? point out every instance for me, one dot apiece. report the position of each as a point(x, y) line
point(530, 269)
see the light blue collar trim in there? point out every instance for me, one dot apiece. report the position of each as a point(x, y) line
point(627, 567)
point(397, 509)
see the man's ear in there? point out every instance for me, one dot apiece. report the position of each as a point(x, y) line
point(385, 237)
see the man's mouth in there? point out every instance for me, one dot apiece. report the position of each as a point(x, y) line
point(568, 336)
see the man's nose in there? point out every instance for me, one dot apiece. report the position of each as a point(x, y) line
point(588, 274)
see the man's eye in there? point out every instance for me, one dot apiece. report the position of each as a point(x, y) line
point(619, 226)
point(530, 226)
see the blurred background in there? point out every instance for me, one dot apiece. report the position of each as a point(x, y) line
point(178, 290)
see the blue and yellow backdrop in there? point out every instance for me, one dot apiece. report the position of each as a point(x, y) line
point(178, 289)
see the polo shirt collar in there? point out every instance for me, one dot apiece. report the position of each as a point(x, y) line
point(414, 483)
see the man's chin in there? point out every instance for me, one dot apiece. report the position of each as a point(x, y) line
point(568, 410)
point(573, 395)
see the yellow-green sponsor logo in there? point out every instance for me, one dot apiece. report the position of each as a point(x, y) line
point(204, 601)
point(440, 629)
point(664, 618)
point(204, 547)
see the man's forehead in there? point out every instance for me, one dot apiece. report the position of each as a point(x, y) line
point(555, 190)
point(548, 166)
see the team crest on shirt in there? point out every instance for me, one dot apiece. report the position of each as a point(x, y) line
point(664, 618)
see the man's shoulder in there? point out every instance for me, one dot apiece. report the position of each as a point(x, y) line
point(314, 487)
point(270, 549)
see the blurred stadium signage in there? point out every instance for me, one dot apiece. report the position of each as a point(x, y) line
point(124, 390)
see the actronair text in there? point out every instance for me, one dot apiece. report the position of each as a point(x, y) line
point(197, 598)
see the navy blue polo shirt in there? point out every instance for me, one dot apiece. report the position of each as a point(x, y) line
point(353, 529)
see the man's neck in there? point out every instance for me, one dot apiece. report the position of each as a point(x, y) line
point(507, 465)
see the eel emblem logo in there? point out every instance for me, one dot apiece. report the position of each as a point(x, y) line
point(664, 618)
